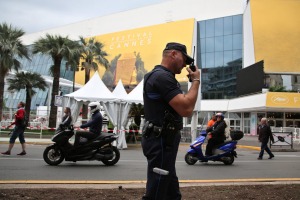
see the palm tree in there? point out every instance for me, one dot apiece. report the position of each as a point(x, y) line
point(11, 48)
point(91, 52)
point(27, 81)
point(136, 111)
point(58, 48)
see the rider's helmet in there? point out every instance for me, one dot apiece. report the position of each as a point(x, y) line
point(94, 106)
point(220, 115)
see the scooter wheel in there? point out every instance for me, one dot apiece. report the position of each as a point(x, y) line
point(53, 155)
point(190, 159)
point(115, 159)
point(228, 160)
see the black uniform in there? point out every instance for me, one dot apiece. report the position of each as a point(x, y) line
point(160, 146)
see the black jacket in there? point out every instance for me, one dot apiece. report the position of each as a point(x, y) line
point(95, 123)
point(218, 130)
point(66, 120)
point(264, 133)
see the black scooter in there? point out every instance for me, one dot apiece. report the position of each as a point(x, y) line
point(99, 148)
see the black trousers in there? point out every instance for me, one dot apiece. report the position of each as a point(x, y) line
point(161, 187)
point(212, 142)
point(85, 134)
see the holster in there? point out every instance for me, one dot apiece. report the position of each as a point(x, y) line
point(147, 129)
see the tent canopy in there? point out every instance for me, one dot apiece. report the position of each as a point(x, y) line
point(120, 91)
point(93, 90)
point(136, 95)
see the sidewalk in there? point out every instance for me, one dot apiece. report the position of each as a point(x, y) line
point(247, 142)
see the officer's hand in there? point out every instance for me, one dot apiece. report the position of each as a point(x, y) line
point(195, 74)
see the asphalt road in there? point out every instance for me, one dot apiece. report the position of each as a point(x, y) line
point(132, 167)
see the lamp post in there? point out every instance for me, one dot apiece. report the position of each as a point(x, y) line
point(11, 92)
point(74, 79)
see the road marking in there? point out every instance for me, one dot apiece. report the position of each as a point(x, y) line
point(144, 181)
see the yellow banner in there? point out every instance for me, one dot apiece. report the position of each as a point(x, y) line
point(276, 33)
point(283, 100)
point(147, 43)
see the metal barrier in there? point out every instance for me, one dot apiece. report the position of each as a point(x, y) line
point(282, 139)
point(295, 132)
point(31, 126)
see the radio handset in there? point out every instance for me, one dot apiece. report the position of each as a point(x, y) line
point(192, 66)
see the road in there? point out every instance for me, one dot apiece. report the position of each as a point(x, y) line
point(132, 167)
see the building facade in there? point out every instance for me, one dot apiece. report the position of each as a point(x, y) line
point(228, 36)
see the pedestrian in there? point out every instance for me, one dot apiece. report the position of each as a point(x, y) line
point(67, 118)
point(164, 106)
point(264, 133)
point(18, 130)
point(216, 134)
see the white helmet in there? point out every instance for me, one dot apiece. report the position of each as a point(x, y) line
point(94, 106)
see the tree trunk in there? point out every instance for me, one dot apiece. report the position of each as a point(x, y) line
point(28, 103)
point(2, 76)
point(55, 87)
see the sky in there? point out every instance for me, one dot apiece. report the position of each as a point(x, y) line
point(37, 15)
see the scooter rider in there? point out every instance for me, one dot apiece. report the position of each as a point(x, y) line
point(95, 124)
point(216, 134)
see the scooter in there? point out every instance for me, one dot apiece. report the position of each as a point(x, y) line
point(224, 152)
point(99, 148)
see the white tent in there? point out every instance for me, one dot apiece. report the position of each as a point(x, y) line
point(115, 107)
point(118, 113)
point(120, 91)
point(93, 90)
point(136, 95)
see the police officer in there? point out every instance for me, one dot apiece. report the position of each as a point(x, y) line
point(164, 106)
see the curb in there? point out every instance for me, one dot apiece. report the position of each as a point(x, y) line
point(30, 184)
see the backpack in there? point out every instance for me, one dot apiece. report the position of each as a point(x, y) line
point(24, 122)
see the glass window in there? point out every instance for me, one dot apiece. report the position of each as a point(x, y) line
point(237, 41)
point(227, 57)
point(228, 42)
point(209, 44)
point(237, 54)
point(219, 59)
point(210, 60)
point(237, 24)
point(275, 115)
point(202, 45)
point(203, 65)
point(210, 28)
point(202, 29)
point(227, 25)
point(219, 27)
point(219, 43)
point(279, 123)
point(247, 115)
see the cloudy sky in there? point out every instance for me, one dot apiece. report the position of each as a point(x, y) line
point(37, 15)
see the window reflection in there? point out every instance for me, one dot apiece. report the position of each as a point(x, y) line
point(221, 46)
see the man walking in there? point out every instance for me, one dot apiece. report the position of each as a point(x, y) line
point(18, 130)
point(264, 133)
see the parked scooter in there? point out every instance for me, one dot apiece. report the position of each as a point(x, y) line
point(224, 152)
point(100, 148)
